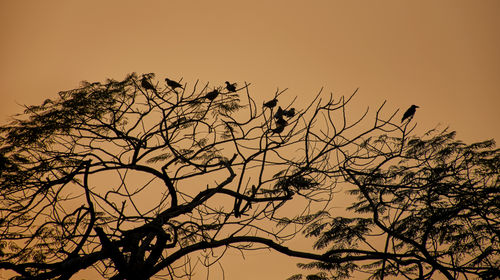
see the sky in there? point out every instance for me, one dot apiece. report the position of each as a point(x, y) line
point(442, 55)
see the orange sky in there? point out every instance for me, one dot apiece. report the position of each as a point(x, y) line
point(441, 55)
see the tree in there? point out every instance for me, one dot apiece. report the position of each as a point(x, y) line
point(140, 181)
point(433, 200)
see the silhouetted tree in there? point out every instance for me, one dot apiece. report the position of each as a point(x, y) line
point(433, 201)
point(138, 182)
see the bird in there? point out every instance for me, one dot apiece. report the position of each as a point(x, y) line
point(173, 84)
point(230, 87)
point(271, 103)
point(410, 112)
point(278, 129)
point(279, 113)
point(146, 84)
point(212, 95)
point(281, 122)
point(289, 113)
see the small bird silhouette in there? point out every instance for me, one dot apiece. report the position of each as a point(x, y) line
point(230, 87)
point(289, 113)
point(146, 84)
point(279, 113)
point(410, 112)
point(281, 122)
point(212, 95)
point(278, 129)
point(271, 103)
point(173, 84)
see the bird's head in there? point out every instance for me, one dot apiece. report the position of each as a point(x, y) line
point(415, 106)
point(227, 83)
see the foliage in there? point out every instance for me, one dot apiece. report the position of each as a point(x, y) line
point(433, 200)
point(136, 180)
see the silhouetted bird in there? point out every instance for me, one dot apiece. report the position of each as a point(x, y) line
point(212, 95)
point(281, 122)
point(271, 103)
point(173, 84)
point(279, 113)
point(278, 129)
point(146, 84)
point(410, 112)
point(289, 113)
point(230, 87)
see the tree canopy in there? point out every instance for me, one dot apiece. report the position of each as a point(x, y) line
point(140, 178)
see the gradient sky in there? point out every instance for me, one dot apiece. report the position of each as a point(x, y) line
point(441, 55)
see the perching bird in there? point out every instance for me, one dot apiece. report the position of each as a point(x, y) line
point(289, 113)
point(281, 122)
point(279, 113)
point(212, 95)
point(173, 84)
point(278, 129)
point(230, 87)
point(146, 84)
point(409, 113)
point(271, 103)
